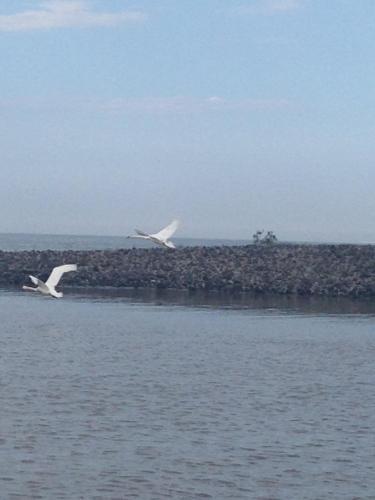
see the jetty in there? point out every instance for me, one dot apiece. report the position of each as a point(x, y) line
point(322, 270)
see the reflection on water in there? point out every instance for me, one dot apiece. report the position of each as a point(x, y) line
point(105, 397)
point(285, 304)
point(293, 304)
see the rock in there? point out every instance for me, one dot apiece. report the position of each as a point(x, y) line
point(330, 270)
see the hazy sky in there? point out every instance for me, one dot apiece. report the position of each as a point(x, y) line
point(231, 115)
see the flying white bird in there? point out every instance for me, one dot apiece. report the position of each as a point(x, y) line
point(160, 238)
point(48, 288)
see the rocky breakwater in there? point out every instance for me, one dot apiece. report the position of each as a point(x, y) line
point(329, 270)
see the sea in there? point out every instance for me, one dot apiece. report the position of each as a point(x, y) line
point(18, 241)
point(156, 395)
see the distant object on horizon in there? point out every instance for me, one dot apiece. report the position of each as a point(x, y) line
point(48, 288)
point(160, 238)
point(259, 238)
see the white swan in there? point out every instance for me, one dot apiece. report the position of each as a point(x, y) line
point(48, 288)
point(160, 238)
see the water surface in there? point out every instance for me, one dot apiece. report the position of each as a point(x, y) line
point(14, 242)
point(152, 398)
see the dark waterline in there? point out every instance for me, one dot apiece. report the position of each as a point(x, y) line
point(283, 304)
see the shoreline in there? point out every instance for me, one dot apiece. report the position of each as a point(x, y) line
point(328, 270)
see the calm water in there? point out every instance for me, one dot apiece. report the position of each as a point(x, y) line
point(185, 397)
point(14, 242)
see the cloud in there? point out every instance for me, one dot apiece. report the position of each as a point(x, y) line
point(189, 104)
point(145, 105)
point(64, 14)
point(267, 7)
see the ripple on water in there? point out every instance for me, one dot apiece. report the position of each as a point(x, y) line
point(114, 401)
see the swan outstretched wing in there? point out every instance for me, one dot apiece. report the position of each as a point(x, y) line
point(39, 283)
point(167, 232)
point(57, 272)
point(36, 281)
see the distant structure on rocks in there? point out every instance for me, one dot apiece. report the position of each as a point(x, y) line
point(259, 238)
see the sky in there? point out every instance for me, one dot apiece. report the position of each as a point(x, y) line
point(231, 115)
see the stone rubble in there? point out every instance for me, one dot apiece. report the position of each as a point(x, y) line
point(325, 270)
